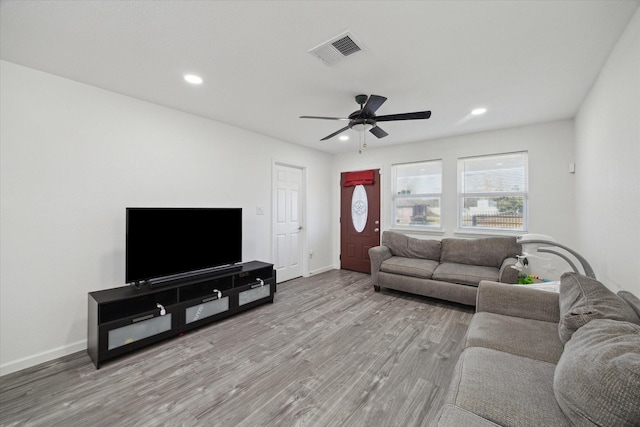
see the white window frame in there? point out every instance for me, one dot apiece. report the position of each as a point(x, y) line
point(463, 195)
point(396, 196)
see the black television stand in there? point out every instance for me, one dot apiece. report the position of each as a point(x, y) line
point(124, 319)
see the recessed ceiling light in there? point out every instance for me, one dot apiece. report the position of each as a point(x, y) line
point(193, 79)
point(479, 111)
point(344, 137)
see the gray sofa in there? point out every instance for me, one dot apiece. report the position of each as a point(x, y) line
point(537, 358)
point(448, 269)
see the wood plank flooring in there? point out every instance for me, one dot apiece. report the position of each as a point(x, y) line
point(329, 352)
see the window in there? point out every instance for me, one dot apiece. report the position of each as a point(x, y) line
point(417, 193)
point(493, 192)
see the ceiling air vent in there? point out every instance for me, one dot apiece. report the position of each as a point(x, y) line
point(335, 50)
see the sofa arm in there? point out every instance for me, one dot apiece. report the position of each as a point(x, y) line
point(508, 274)
point(517, 301)
point(377, 255)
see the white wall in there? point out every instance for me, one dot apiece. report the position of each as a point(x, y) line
point(551, 186)
point(608, 167)
point(74, 156)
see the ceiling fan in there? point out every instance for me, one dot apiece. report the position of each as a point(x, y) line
point(365, 118)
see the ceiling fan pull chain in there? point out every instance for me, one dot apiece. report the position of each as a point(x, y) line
point(364, 141)
point(364, 138)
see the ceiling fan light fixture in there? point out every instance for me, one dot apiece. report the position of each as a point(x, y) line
point(361, 127)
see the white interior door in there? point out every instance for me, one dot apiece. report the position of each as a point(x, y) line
point(288, 186)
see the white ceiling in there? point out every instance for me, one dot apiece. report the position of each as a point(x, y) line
point(526, 61)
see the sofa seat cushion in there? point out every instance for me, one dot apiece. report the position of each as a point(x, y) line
point(415, 267)
point(534, 339)
point(465, 274)
point(583, 299)
point(597, 380)
point(505, 389)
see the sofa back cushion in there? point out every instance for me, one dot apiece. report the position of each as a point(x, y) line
point(402, 245)
point(488, 252)
point(583, 299)
point(597, 379)
point(632, 300)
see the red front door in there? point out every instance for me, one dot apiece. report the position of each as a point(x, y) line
point(359, 218)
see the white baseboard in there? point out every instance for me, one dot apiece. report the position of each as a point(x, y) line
point(46, 356)
point(321, 270)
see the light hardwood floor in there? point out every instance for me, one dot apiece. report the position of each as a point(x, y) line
point(329, 352)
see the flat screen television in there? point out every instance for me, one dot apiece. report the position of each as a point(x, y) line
point(167, 243)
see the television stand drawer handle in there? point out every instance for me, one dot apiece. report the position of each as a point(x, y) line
point(140, 319)
point(259, 284)
point(213, 298)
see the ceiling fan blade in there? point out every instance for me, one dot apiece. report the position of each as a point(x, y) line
point(404, 116)
point(378, 132)
point(373, 103)
point(335, 133)
point(323, 118)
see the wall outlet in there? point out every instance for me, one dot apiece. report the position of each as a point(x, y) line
point(259, 210)
point(310, 254)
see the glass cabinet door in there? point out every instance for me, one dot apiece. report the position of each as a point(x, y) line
point(138, 330)
point(206, 309)
point(254, 294)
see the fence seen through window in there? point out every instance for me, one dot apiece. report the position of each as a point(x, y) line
point(493, 191)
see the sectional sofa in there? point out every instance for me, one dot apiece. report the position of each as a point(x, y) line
point(537, 358)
